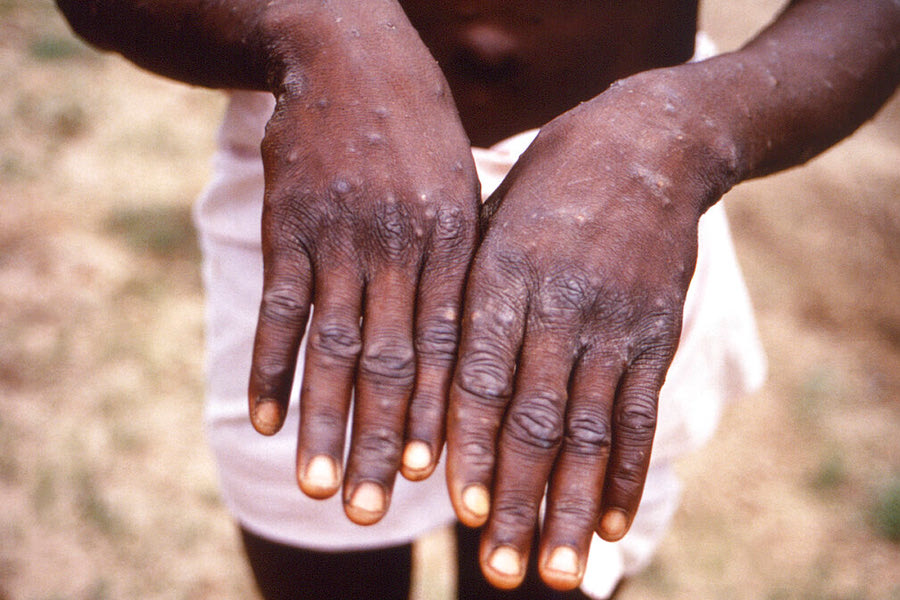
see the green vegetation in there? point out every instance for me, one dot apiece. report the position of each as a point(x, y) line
point(886, 512)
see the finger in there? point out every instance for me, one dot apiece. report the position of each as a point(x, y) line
point(634, 424)
point(332, 350)
point(437, 336)
point(283, 314)
point(530, 439)
point(384, 384)
point(575, 492)
point(491, 334)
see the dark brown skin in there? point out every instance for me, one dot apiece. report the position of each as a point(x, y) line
point(574, 298)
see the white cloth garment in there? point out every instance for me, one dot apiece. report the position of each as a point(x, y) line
point(719, 358)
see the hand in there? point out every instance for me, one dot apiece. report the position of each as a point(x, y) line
point(572, 316)
point(370, 215)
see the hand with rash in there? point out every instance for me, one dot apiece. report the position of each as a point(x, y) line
point(370, 215)
point(573, 314)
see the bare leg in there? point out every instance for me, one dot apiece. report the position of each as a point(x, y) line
point(288, 573)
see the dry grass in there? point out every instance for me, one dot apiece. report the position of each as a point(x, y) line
point(106, 485)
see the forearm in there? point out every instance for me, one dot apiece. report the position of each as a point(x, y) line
point(816, 74)
point(246, 44)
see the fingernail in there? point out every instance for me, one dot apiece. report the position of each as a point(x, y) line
point(368, 497)
point(506, 561)
point(417, 456)
point(614, 525)
point(563, 560)
point(476, 500)
point(267, 416)
point(321, 473)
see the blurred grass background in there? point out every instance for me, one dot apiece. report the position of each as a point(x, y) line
point(107, 487)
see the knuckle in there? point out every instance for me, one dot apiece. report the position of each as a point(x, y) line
point(588, 435)
point(514, 510)
point(628, 477)
point(479, 454)
point(390, 360)
point(565, 293)
point(378, 444)
point(392, 230)
point(281, 306)
point(661, 330)
point(574, 510)
point(269, 372)
point(438, 337)
point(637, 420)
point(537, 422)
point(508, 264)
point(448, 224)
point(426, 407)
point(336, 340)
point(616, 311)
point(481, 374)
point(288, 210)
point(452, 226)
point(324, 419)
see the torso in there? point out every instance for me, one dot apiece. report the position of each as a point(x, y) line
point(514, 65)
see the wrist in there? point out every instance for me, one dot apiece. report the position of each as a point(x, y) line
point(679, 115)
point(306, 41)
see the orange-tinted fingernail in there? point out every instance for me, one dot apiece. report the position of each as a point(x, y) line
point(267, 416)
point(417, 456)
point(506, 561)
point(321, 474)
point(563, 560)
point(614, 525)
point(367, 503)
point(476, 500)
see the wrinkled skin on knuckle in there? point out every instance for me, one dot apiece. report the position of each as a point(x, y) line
point(281, 308)
point(325, 418)
point(513, 511)
point(336, 340)
point(573, 510)
point(564, 297)
point(479, 454)
point(628, 478)
point(588, 434)
point(632, 327)
point(454, 228)
point(536, 422)
point(427, 408)
point(658, 335)
point(437, 339)
point(482, 376)
point(289, 221)
point(392, 232)
point(269, 373)
point(373, 445)
point(636, 422)
point(389, 362)
point(502, 263)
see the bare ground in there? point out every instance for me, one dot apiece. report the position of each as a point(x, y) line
point(108, 490)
